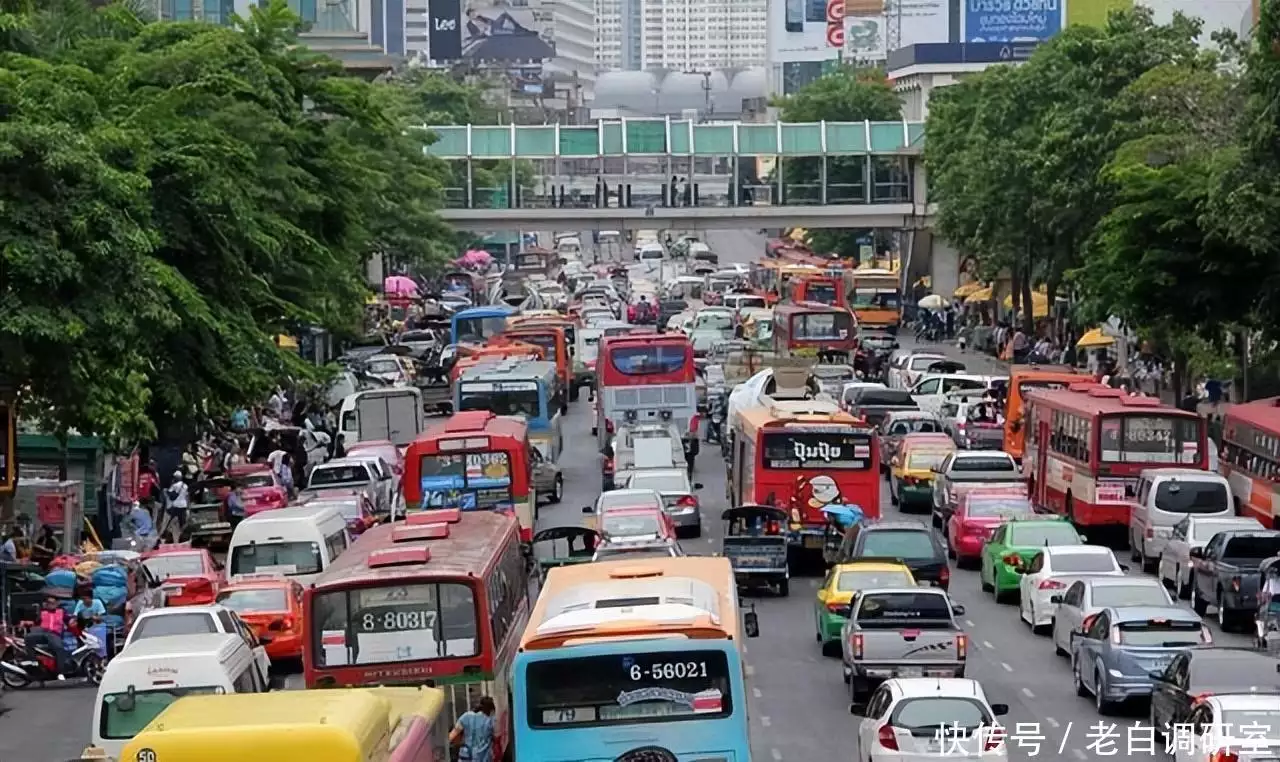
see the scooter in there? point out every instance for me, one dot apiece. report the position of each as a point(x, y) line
point(20, 668)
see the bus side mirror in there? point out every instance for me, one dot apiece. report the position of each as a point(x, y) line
point(587, 509)
point(751, 623)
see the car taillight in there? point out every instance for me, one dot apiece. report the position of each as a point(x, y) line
point(1115, 635)
point(608, 465)
point(962, 646)
point(994, 737)
point(858, 642)
point(1088, 622)
point(1222, 755)
point(888, 739)
point(1151, 532)
point(688, 501)
point(774, 527)
point(1051, 584)
point(945, 575)
point(1198, 697)
point(838, 608)
point(1013, 559)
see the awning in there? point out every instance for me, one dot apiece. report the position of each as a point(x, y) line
point(799, 235)
point(1039, 304)
point(286, 342)
point(981, 295)
point(966, 289)
point(1094, 337)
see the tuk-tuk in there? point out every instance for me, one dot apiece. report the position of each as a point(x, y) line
point(207, 522)
point(755, 542)
point(565, 546)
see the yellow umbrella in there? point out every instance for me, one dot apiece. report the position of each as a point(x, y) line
point(1094, 337)
point(966, 289)
point(1039, 304)
point(981, 295)
point(799, 235)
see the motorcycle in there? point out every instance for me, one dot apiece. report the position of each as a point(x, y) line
point(19, 667)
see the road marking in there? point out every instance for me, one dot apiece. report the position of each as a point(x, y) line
point(766, 721)
point(756, 692)
point(969, 623)
point(987, 643)
point(1052, 722)
point(777, 755)
point(1027, 692)
point(1006, 666)
point(711, 541)
point(751, 670)
point(1079, 754)
point(744, 650)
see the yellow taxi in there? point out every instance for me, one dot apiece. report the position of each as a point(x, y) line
point(842, 583)
point(911, 470)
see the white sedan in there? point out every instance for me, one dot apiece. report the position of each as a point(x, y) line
point(1248, 725)
point(919, 718)
point(1051, 571)
point(1089, 595)
point(1174, 567)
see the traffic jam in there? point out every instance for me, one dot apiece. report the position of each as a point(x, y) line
point(657, 507)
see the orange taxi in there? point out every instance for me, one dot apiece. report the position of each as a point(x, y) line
point(273, 608)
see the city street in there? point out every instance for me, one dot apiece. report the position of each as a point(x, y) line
point(799, 706)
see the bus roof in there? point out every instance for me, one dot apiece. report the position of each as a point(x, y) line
point(1051, 371)
point(642, 339)
point(1263, 414)
point(341, 724)
point(475, 421)
point(468, 548)
point(510, 369)
point(694, 596)
point(782, 413)
point(1093, 398)
point(493, 310)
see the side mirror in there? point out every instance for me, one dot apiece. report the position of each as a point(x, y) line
point(1197, 553)
point(1157, 676)
point(822, 594)
point(697, 485)
point(999, 710)
point(751, 623)
point(958, 610)
point(1055, 599)
point(588, 509)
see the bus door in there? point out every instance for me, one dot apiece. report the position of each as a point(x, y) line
point(1042, 463)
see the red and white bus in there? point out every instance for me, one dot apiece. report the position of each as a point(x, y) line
point(647, 378)
point(439, 599)
point(1087, 444)
point(1251, 458)
point(473, 461)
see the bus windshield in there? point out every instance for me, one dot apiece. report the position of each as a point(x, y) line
point(509, 398)
point(874, 298)
point(630, 688)
point(545, 340)
point(394, 623)
point(477, 330)
point(789, 450)
point(469, 481)
point(820, 326)
point(1150, 439)
point(820, 292)
point(651, 359)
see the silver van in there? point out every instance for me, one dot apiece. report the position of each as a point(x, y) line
point(1166, 496)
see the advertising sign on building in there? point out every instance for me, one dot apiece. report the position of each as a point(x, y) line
point(444, 31)
point(865, 39)
point(1011, 20)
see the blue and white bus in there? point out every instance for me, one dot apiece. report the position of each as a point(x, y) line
point(479, 324)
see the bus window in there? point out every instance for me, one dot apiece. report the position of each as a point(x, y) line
point(645, 360)
point(821, 325)
point(516, 398)
point(397, 623)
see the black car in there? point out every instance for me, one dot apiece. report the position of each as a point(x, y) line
point(669, 308)
point(910, 542)
point(1209, 669)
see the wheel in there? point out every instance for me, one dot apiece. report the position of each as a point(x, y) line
point(986, 586)
point(1100, 702)
point(1200, 606)
point(1081, 690)
point(784, 587)
point(557, 490)
point(12, 680)
point(1148, 563)
point(1184, 591)
point(1226, 621)
point(1135, 553)
point(696, 532)
point(93, 668)
point(831, 648)
point(1003, 596)
point(574, 392)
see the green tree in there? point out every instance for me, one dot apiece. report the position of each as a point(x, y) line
point(847, 94)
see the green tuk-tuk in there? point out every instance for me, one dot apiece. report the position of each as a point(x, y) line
point(563, 546)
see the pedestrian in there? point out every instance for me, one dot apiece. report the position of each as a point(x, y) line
point(9, 549)
point(179, 495)
point(473, 734)
point(284, 471)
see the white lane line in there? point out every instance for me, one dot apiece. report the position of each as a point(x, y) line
point(1006, 666)
point(1027, 692)
point(969, 623)
point(1079, 753)
point(766, 721)
point(987, 644)
point(1052, 722)
point(777, 755)
point(744, 650)
point(751, 670)
point(756, 692)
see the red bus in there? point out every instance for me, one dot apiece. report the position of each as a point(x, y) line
point(473, 461)
point(1087, 444)
point(822, 289)
point(439, 599)
point(644, 378)
point(803, 456)
point(1251, 458)
point(811, 329)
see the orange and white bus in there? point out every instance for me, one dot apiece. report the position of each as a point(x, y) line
point(1089, 443)
point(635, 660)
point(1022, 379)
point(1250, 458)
point(437, 599)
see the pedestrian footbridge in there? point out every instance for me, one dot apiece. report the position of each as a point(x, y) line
point(634, 174)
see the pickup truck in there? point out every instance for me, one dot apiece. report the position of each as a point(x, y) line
point(1225, 574)
point(901, 632)
point(969, 466)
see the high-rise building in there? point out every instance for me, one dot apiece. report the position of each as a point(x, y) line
point(571, 24)
point(679, 35)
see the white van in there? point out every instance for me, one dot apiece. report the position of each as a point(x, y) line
point(1166, 496)
point(569, 246)
point(394, 414)
point(297, 542)
point(650, 252)
point(152, 673)
point(931, 390)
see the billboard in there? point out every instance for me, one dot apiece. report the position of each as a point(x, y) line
point(865, 39)
point(1011, 20)
point(499, 31)
point(444, 30)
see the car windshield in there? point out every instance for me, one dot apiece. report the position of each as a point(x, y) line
point(285, 558)
point(254, 600)
point(168, 565)
point(1000, 506)
point(929, 715)
point(995, 463)
point(926, 460)
point(162, 625)
point(1129, 595)
point(923, 363)
point(124, 715)
point(899, 543)
point(922, 605)
point(660, 482)
point(713, 321)
point(338, 475)
point(1178, 496)
point(1256, 723)
point(1084, 562)
point(1160, 633)
point(869, 579)
point(627, 500)
point(383, 367)
point(1039, 535)
point(615, 525)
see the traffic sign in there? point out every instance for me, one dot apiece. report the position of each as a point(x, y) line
point(835, 11)
point(835, 35)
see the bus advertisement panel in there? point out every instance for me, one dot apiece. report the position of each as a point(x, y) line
point(1088, 444)
point(473, 461)
point(439, 598)
point(803, 457)
point(1022, 379)
point(647, 378)
point(589, 673)
point(1251, 458)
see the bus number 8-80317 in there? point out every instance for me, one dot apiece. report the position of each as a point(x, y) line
point(397, 620)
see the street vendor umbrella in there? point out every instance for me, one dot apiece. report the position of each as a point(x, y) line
point(400, 284)
point(1039, 303)
point(932, 302)
point(1094, 337)
point(475, 258)
point(843, 515)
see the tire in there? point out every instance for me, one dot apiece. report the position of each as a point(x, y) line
point(1002, 596)
point(784, 587)
point(12, 680)
point(1081, 690)
point(1100, 703)
point(1057, 649)
point(557, 490)
point(987, 587)
point(1226, 619)
point(831, 648)
point(93, 668)
point(1184, 591)
point(1201, 607)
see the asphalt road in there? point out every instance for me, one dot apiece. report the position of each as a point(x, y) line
point(799, 705)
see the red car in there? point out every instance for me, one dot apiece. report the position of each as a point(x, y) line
point(262, 488)
point(976, 518)
point(273, 608)
point(382, 448)
point(636, 523)
point(188, 576)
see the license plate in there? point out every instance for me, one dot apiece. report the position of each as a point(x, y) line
point(911, 672)
point(216, 525)
point(812, 541)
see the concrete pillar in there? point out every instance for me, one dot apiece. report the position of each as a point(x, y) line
point(944, 268)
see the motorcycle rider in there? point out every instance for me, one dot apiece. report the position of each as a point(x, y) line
point(49, 635)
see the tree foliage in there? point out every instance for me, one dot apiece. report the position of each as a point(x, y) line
point(848, 94)
point(174, 195)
